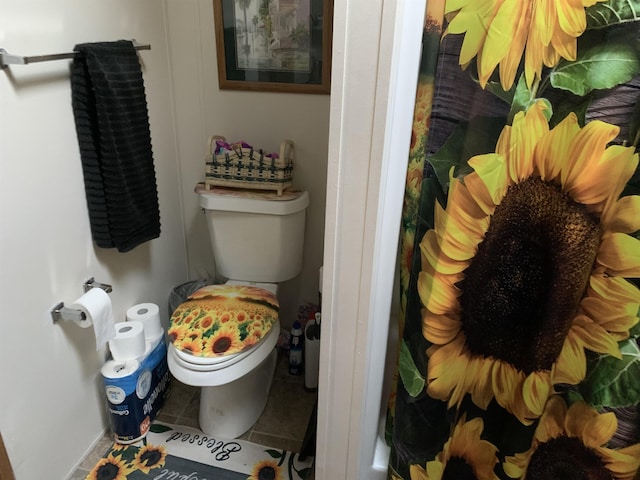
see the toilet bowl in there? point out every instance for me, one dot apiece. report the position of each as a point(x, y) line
point(234, 384)
point(223, 337)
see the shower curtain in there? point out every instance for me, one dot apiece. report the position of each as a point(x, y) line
point(520, 246)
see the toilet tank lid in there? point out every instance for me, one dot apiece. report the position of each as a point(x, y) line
point(252, 201)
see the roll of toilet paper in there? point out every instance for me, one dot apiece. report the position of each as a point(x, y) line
point(98, 312)
point(128, 343)
point(149, 315)
point(119, 368)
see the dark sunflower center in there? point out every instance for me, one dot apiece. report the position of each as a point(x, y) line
point(150, 457)
point(522, 288)
point(221, 345)
point(108, 471)
point(458, 469)
point(267, 473)
point(566, 458)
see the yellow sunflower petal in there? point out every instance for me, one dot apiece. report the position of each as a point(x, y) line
point(498, 38)
point(577, 418)
point(552, 424)
point(620, 255)
point(516, 465)
point(517, 144)
point(604, 178)
point(490, 168)
point(599, 429)
point(439, 329)
point(624, 463)
point(417, 472)
point(533, 56)
point(455, 241)
point(624, 216)
point(440, 357)
point(613, 289)
point(436, 293)
point(571, 17)
point(571, 366)
point(451, 6)
point(461, 200)
point(545, 18)
point(536, 389)
point(479, 373)
point(444, 375)
point(556, 145)
point(478, 190)
point(594, 337)
point(616, 318)
point(587, 149)
point(435, 470)
point(511, 61)
point(439, 261)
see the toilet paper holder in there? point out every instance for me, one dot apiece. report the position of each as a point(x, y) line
point(60, 312)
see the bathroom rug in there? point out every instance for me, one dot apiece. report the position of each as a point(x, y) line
point(171, 452)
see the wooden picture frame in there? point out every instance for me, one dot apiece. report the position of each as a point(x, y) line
point(274, 45)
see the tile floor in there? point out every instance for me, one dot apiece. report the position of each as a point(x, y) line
point(283, 423)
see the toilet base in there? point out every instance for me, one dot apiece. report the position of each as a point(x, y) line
point(232, 409)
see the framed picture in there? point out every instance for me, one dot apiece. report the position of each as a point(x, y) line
point(274, 45)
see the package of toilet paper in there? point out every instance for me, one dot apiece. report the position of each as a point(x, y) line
point(136, 391)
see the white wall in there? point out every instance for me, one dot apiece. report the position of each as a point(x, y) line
point(51, 400)
point(262, 119)
point(51, 404)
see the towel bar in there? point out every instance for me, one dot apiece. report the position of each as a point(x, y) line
point(7, 59)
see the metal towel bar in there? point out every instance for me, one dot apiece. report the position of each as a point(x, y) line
point(7, 59)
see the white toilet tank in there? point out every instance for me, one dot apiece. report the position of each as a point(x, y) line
point(254, 239)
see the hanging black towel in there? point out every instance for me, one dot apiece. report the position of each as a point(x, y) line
point(112, 123)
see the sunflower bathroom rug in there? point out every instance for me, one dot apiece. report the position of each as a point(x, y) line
point(172, 452)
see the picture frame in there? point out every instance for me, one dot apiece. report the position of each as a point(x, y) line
point(274, 45)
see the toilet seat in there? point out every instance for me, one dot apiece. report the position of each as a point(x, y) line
point(222, 373)
point(243, 315)
point(218, 322)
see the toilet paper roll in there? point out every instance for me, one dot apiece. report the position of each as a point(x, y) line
point(119, 368)
point(128, 342)
point(96, 306)
point(149, 315)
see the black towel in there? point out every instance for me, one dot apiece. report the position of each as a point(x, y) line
point(112, 123)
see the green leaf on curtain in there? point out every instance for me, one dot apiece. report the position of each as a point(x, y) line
point(613, 12)
point(412, 380)
point(523, 99)
point(475, 137)
point(612, 382)
point(568, 105)
point(598, 67)
point(496, 89)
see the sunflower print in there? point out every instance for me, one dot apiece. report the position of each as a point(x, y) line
point(465, 455)
point(150, 457)
point(266, 470)
point(219, 320)
point(110, 468)
point(499, 32)
point(527, 266)
point(225, 339)
point(570, 443)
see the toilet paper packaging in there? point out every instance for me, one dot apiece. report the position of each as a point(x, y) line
point(136, 390)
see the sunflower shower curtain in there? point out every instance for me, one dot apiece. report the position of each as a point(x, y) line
point(520, 249)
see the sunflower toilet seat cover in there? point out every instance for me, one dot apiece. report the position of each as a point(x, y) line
point(220, 320)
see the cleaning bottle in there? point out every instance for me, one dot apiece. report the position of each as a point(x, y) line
point(295, 349)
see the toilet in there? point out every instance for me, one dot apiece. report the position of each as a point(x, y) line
point(223, 337)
